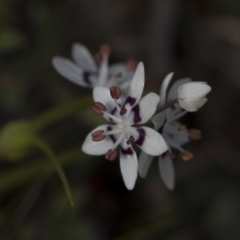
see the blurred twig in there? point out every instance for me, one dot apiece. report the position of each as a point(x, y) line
point(52, 157)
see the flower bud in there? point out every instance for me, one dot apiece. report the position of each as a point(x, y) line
point(16, 140)
point(192, 95)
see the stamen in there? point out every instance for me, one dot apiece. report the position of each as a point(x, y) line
point(173, 144)
point(111, 155)
point(130, 140)
point(98, 138)
point(119, 140)
point(181, 127)
point(186, 155)
point(104, 50)
point(114, 131)
point(131, 64)
point(113, 117)
point(195, 134)
point(98, 108)
point(115, 92)
point(123, 110)
point(170, 155)
point(97, 133)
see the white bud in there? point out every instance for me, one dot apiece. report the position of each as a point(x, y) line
point(192, 95)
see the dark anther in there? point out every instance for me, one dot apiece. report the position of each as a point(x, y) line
point(115, 92)
point(98, 108)
point(123, 111)
point(111, 155)
point(130, 140)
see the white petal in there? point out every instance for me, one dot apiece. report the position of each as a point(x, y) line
point(69, 70)
point(149, 140)
point(193, 90)
point(103, 72)
point(174, 88)
point(102, 95)
point(192, 105)
point(129, 166)
point(136, 88)
point(174, 114)
point(158, 120)
point(117, 68)
point(97, 148)
point(166, 169)
point(144, 163)
point(182, 138)
point(163, 89)
point(83, 57)
point(144, 110)
point(171, 142)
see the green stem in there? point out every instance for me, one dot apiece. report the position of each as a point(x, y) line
point(14, 178)
point(58, 113)
point(50, 154)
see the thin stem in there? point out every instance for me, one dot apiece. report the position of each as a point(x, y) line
point(50, 154)
point(165, 106)
point(16, 177)
point(60, 112)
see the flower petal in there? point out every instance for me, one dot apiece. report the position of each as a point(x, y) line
point(98, 148)
point(176, 113)
point(192, 105)
point(163, 89)
point(167, 173)
point(128, 166)
point(182, 138)
point(102, 95)
point(149, 140)
point(83, 57)
point(103, 72)
point(116, 69)
point(159, 120)
point(136, 88)
point(144, 163)
point(144, 110)
point(193, 90)
point(174, 88)
point(69, 70)
point(171, 142)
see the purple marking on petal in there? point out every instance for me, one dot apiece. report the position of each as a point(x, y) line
point(113, 111)
point(127, 151)
point(141, 138)
point(111, 136)
point(160, 130)
point(130, 100)
point(86, 75)
point(136, 110)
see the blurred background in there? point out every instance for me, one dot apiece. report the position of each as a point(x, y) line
point(199, 39)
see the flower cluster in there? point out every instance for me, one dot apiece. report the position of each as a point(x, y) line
point(117, 93)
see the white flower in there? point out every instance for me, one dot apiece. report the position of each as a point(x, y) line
point(125, 114)
point(191, 96)
point(83, 70)
point(165, 123)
